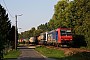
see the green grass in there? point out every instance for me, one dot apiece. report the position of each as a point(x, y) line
point(50, 53)
point(12, 54)
point(59, 55)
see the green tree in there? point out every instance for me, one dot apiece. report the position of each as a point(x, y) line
point(59, 17)
point(5, 27)
point(12, 37)
point(74, 14)
point(43, 27)
point(82, 18)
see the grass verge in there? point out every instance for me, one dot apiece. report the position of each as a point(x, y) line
point(59, 55)
point(12, 54)
point(50, 53)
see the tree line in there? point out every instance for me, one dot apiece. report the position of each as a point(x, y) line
point(7, 33)
point(69, 14)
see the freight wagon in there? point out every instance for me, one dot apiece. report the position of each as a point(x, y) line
point(52, 37)
point(32, 40)
point(43, 38)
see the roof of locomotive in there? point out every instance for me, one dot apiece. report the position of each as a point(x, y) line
point(63, 29)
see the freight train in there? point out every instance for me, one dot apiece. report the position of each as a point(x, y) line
point(57, 37)
point(32, 40)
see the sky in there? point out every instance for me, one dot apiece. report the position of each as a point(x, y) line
point(35, 12)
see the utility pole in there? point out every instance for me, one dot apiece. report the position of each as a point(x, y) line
point(16, 31)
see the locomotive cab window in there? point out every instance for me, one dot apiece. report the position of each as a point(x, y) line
point(68, 32)
point(63, 32)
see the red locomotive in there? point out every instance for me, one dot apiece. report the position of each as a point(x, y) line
point(60, 36)
point(64, 36)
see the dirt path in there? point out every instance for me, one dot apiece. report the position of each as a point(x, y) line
point(30, 54)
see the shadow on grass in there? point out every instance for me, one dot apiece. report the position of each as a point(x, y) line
point(10, 59)
point(25, 58)
point(77, 56)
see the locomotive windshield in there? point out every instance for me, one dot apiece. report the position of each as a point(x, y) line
point(63, 32)
point(66, 32)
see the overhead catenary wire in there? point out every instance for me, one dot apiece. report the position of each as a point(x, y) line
point(7, 9)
